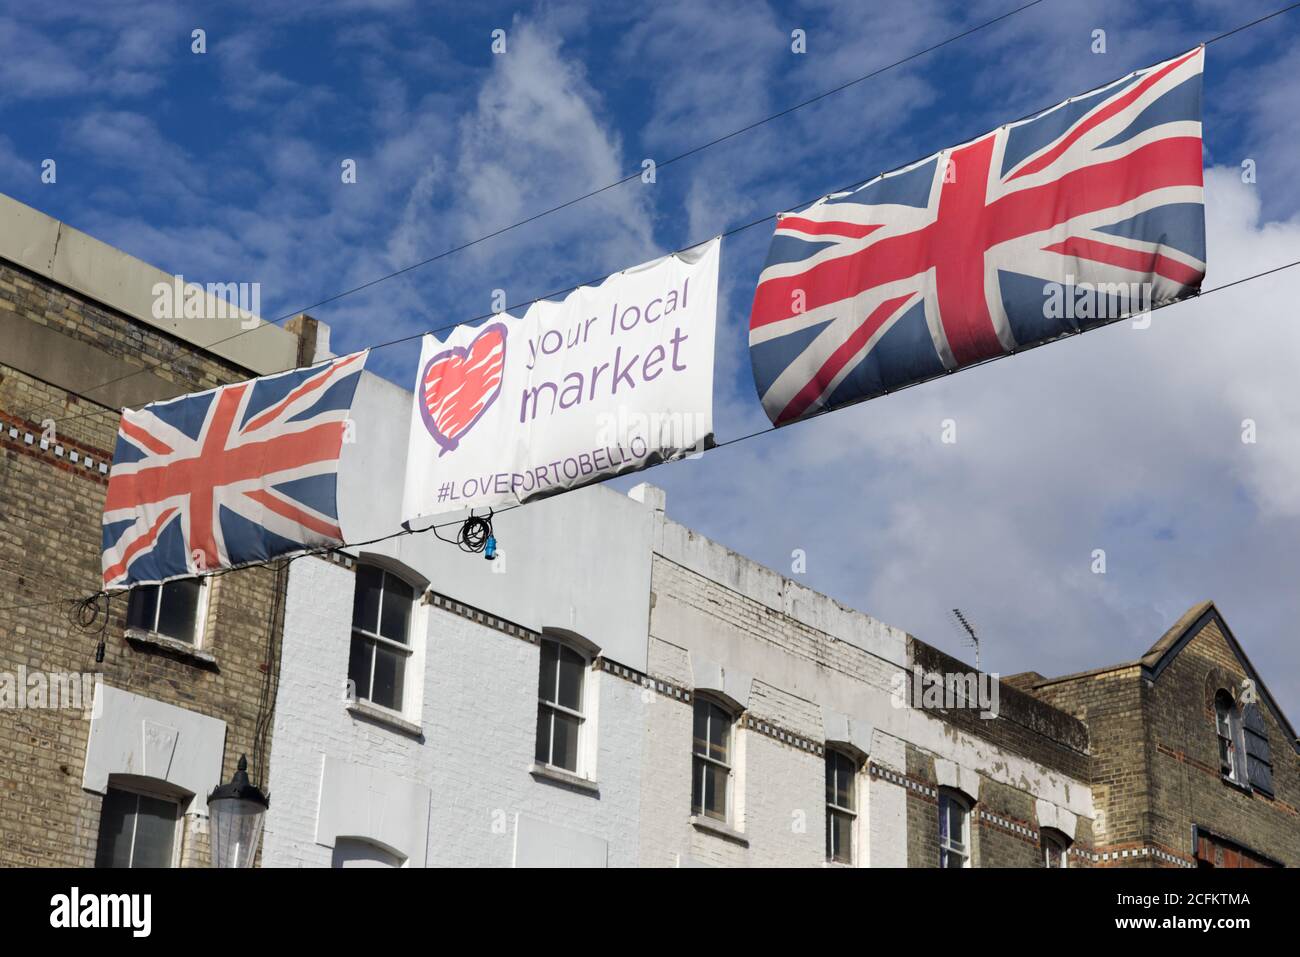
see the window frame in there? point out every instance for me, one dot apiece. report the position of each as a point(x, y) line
point(834, 810)
point(949, 798)
point(383, 856)
point(374, 639)
point(1227, 713)
point(700, 761)
point(199, 630)
point(137, 793)
point(1051, 839)
point(554, 706)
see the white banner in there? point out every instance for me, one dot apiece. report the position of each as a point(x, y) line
point(612, 379)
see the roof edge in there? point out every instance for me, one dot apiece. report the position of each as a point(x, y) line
point(1188, 627)
point(92, 268)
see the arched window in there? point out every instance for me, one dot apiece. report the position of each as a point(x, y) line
point(1056, 847)
point(1227, 723)
point(954, 829)
point(359, 852)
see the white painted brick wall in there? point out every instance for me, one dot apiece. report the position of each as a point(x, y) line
point(882, 836)
point(479, 719)
point(736, 617)
point(785, 804)
point(785, 710)
point(666, 783)
point(798, 652)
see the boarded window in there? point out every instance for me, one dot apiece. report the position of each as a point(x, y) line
point(1212, 851)
point(1259, 760)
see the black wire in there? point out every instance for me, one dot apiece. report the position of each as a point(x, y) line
point(106, 409)
point(217, 573)
point(473, 534)
point(608, 186)
point(1003, 355)
point(270, 686)
point(719, 445)
point(85, 612)
point(1253, 23)
point(463, 539)
point(88, 615)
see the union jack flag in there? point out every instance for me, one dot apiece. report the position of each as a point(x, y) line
point(986, 248)
point(230, 476)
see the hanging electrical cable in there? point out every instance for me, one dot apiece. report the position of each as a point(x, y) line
point(270, 684)
point(106, 410)
point(984, 25)
point(476, 534)
point(90, 615)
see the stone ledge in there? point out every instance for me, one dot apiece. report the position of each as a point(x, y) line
point(1240, 786)
point(717, 828)
point(152, 640)
point(544, 772)
point(371, 712)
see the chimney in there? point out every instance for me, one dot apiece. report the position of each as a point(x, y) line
point(313, 338)
point(651, 495)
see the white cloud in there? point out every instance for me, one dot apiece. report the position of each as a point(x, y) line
point(159, 175)
point(1122, 439)
point(253, 82)
point(33, 66)
point(66, 50)
point(1125, 440)
point(536, 138)
point(1266, 93)
point(704, 75)
point(14, 167)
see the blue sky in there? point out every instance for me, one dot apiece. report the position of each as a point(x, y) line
point(225, 167)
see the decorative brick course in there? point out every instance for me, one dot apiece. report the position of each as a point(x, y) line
point(1155, 752)
point(51, 499)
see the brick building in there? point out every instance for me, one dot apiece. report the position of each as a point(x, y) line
point(688, 716)
point(709, 703)
point(109, 761)
point(613, 690)
point(1193, 761)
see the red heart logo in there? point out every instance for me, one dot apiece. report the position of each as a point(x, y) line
point(457, 386)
